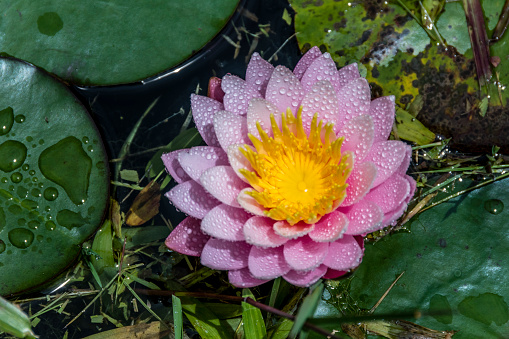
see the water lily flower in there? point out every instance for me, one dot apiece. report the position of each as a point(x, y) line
point(297, 168)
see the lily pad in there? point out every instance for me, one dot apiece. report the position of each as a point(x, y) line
point(109, 42)
point(53, 176)
point(454, 259)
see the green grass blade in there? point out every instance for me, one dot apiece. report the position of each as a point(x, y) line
point(14, 321)
point(178, 323)
point(307, 309)
point(254, 325)
point(204, 321)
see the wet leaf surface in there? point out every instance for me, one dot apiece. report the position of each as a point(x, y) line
point(53, 177)
point(454, 264)
point(127, 42)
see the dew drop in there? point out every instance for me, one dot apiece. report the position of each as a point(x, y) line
point(2, 246)
point(13, 153)
point(68, 165)
point(6, 120)
point(85, 140)
point(34, 224)
point(3, 220)
point(50, 225)
point(50, 193)
point(15, 209)
point(494, 206)
point(21, 237)
point(35, 192)
point(16, 177)
point(20, 118)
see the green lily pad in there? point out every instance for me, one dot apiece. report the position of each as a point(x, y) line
point(53, 176)
point(455, 264)
point(109, 42)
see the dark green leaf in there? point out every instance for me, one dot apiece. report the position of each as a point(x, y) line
point(204, 321)
point(454, 264)
point(109, 42)
point(53, 177)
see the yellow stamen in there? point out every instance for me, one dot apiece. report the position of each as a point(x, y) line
point(297, 177)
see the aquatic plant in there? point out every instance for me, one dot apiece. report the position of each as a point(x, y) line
point(297, 168)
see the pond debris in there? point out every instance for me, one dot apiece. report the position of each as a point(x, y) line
point(502, 23)
point(479, 41)
point(394, 329)
point(145, 205)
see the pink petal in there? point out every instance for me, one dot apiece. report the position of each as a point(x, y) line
point(223, 184)
point(322, 68)
point(413, 186)
point(306, 60)
point(382, 112)
point(259, 231)
point(259, 111)
point(267, 263)
point(203, 109)
point(198, 159)
point(187, 238)
point(284, 90)
point(390, 194)
point(363, 217)
point(347, 74)
point(344, 254)
point(230, 129)
point(330, 228)
point(403, 168)
point(320, 99)
point(225, 222)
point(238, 161)
point(387, 157)
point(358, 133)
point(225, 255)
point(243, 279)
point(359, 182)
point(391, 217)
point(304, 254)
point(333, 274)
point(237, 95)
point(249, 203)
point(258, 72)
point(214, 91)
point(354, 100)
point(170, 161)
point(286, 230)
point(191, 198)
point(306, 278)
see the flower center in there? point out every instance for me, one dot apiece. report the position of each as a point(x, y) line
point(297, 177)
